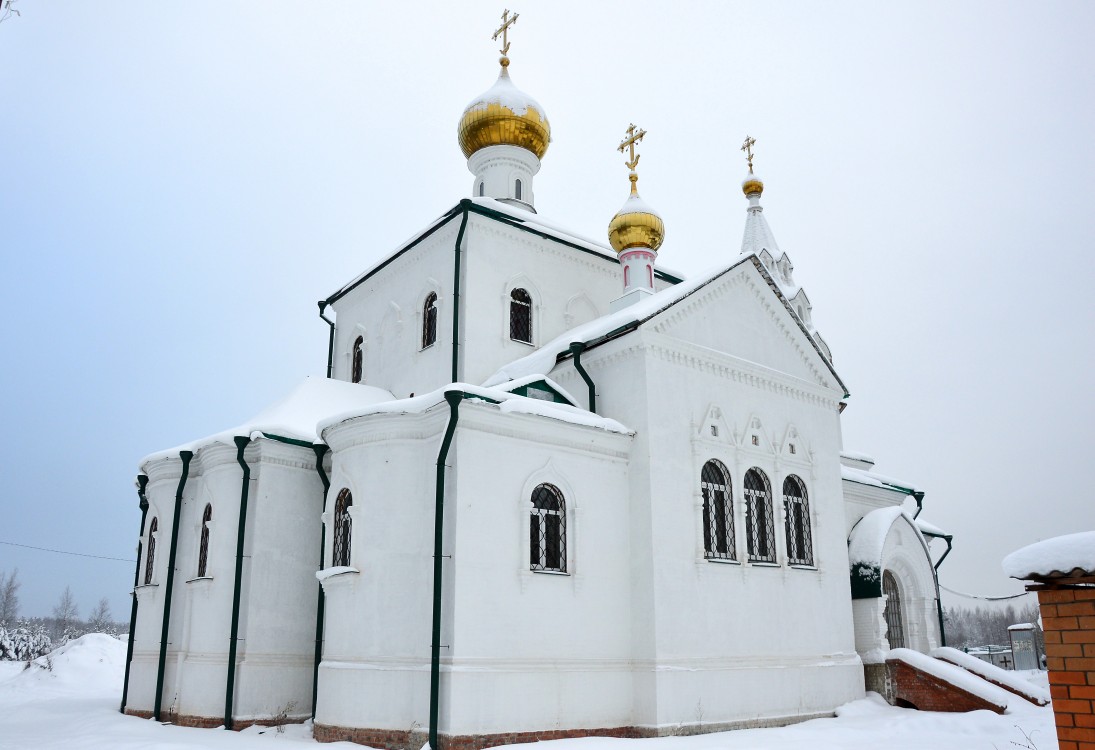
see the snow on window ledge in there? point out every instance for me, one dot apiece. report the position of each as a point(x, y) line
point(337, 576)
point(551, 572)
point(198, 579)
point(763, 564)
point(797, 566)
point(721, 560)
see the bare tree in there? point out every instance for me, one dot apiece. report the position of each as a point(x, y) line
point(101, 620)
point(9, 597)
point(7, 10)
point(65, 613)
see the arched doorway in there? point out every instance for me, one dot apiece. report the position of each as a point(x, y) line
point(895, 629)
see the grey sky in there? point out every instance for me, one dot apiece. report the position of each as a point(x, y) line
point(180, 183)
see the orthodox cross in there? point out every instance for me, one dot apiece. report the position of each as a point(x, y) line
point(747, 147)
point(633, 137)
point(503, 30)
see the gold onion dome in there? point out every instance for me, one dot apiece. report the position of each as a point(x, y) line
point(504, 116)
point(752, 184)
point(636, 224)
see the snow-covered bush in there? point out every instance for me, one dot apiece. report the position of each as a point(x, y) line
point(28, 640)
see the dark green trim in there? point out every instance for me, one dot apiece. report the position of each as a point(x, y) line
point(142, 483)
point(230, 687)
point(576, 350)
point(290, 441)
point(453, 398)
point(321, 451)
point(539, 386)
point(456, 293)
point(919, 498)
point(185, 456)
point(330, 338)
point(947, 538)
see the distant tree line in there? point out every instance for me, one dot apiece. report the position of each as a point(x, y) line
point(23, 639)
point(983, 626)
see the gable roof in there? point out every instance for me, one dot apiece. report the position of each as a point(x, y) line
point(620, 323)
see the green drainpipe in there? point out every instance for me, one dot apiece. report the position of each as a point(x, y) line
point(453, 397)
point(185, 456)
point(456, 294)
point(321, 451)
point(576, 349)
point(230, 688)
point(938, 597)
point(142, 482)
point(330, 338)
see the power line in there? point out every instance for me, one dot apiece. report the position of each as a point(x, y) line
point(66, 552)
point(985, 598)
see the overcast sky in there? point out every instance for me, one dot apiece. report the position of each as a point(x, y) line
point(179, 183)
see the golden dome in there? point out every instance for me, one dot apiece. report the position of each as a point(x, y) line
point(636, 224)
point(504, 116)
point(752, 184)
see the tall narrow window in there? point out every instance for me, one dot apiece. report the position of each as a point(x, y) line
point(895, 629)
point(718, 512)
point(548, 530)
point(341, 550)
point(359, 356)
point(796, 511)
point(517, 189)
point(759, 530)
point(520, 316)
point(480, 190)
point(150, 556)
point(203, 546)
point(429, 320)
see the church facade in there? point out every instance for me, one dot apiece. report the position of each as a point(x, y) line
point(547, 489)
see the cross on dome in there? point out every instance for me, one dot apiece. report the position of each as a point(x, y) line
point(747, 147)
point(629, 143)
point(503, 31)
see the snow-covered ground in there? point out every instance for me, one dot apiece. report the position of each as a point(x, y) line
point(74, 706)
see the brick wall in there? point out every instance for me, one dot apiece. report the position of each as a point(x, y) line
point(1068, 619)
point(926, 692)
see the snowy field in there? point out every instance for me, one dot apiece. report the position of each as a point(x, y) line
point(74, 706)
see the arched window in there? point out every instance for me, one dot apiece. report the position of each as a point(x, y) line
point(203, 547)
point(520, 316)
point(796, 512)
point(150, 556)
point(895, 630)
point(429, 320)
point(759, 531)
point(517, 189)
point(480, 189)
point(343, 522)
point(718, 512)
point(359, 356)
point(548, 530)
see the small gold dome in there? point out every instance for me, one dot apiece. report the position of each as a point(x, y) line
point(636, 224)
point(752, 184)
point(504, 116)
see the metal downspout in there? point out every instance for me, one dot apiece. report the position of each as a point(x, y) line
point(230, 688)
point(938, 597)
point(576, 349)
point(330, 339)
point(321, 451)
point(142, 482)
point(456, 294)
point(453, 398)
point(919, 498)
point(185, 456)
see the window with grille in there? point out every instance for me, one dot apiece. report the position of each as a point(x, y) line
point(796, 512)
point(429, 320)
point(150, 557)
point(895, 630)
point(359, 357)
point(548, 530)
point(718, 512)
point(203, 545)
point(759, 531)
point(520, 316)
point(341, 550)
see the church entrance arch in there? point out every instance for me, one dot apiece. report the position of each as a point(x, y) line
point(895, 630)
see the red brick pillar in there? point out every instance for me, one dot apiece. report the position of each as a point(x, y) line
point(1068, 620)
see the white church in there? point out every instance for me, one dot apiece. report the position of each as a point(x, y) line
point(546, 490)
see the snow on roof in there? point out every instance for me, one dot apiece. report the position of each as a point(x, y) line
point(954, 675)
point(1022, 626)
point(543, 359)
point(508, 403)
point(295, 416)
point(993, 673)
point(636, 205)
point(512, 385)
point(869, 536)
point(1062, 556)
point(874, 479)
point(856, 456)
point(929, 529)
